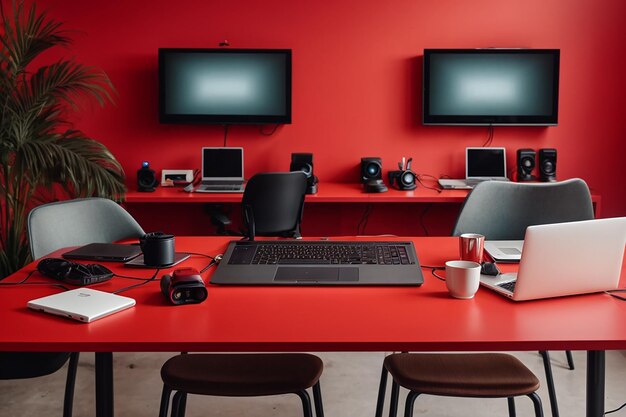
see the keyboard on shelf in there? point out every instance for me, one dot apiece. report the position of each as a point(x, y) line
point(509, 286)
point(326, 253)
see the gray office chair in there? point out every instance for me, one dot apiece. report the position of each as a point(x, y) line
point(78, 222)
point(272, 205)
point(503, 211)
point(51, 227)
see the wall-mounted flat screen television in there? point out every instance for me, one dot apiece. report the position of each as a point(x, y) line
point(491, 87)
point(225, 86)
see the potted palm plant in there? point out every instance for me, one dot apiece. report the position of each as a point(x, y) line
point(40, 153)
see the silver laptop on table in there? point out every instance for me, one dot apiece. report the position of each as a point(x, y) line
point(481, 164)
point(222, 170)
point(565, 259)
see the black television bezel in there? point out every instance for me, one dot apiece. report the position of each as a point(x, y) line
point(490, 120)
point(225, 119)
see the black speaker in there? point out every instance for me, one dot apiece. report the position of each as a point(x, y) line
point(525, 164)
point(304, 162)
point(146, 178)
point(372, 175)
point(402, 180)
point(547, 164)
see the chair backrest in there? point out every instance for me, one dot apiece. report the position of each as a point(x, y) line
point(78, 222)
point(272, 204)
point(503, 210)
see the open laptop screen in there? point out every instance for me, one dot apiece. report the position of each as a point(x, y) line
point(222, 163)
point(485, 163)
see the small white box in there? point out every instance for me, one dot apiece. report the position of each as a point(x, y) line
point(172, 177)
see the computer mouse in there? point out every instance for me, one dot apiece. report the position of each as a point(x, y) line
point(489, 268)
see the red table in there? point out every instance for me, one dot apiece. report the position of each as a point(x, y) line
point(269, 319)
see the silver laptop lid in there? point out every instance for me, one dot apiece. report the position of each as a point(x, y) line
point(571, 258)
point(485, 163)
point(222, 164)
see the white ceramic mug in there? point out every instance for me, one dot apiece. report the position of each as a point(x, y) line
point(471, 247)
point(462, 278)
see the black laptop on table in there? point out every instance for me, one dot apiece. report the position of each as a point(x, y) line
point(315, 262)
point(222, 170)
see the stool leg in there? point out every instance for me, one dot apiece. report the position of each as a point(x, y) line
point(177, 410)
point(511, 402)
point(380, 403)
point(306, 403)
point(537, 404)
point(554, 406)
point(317, 400)
point(410, 402)
point(570, 359)
point(165, 401)
point(393, 402)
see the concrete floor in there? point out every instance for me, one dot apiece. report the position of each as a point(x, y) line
point(349, 387)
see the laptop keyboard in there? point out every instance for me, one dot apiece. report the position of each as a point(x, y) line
point(224, 187)
point(509, 286)
point(314, 253)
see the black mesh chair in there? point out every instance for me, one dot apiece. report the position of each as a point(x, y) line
point(272, 206)
point(51, 227)
point(503, 211)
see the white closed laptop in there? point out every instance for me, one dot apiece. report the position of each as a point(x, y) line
point(82, 304)
point(565, 259)
point(481, 164)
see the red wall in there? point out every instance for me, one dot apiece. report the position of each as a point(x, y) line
point(356, 80)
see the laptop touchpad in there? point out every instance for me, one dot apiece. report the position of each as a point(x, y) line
point(316, 274)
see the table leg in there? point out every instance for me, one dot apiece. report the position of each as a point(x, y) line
point(104, 384)
point(595, 383)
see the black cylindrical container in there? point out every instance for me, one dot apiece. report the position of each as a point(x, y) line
point(157, 248)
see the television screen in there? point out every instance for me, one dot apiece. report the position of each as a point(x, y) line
point(225, 86)
point(491, 87)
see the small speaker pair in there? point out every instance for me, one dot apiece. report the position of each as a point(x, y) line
point(304, 162)
point(146, 178)
point(372, 175)
point(526, 162)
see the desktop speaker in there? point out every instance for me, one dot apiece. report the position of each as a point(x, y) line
point(372, 175)
point(402, 180)
point(304, 162)
point(146, 178)
point(547, 164)
point(525, 164)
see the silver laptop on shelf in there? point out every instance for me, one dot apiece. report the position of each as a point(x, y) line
point(481, 164)
point(565, 259)
point(222, 170)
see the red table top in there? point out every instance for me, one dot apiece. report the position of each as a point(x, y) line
point(316, 318)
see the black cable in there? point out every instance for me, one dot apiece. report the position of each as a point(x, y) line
point(270, 133)
point(439, 277)
point(225, 133)
point(421, 218)
point(147, 280)
point(617, 409)
point(360, 228)
point(619, 297)
point(421, 181)
point(489, 136)
point(20, 282)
